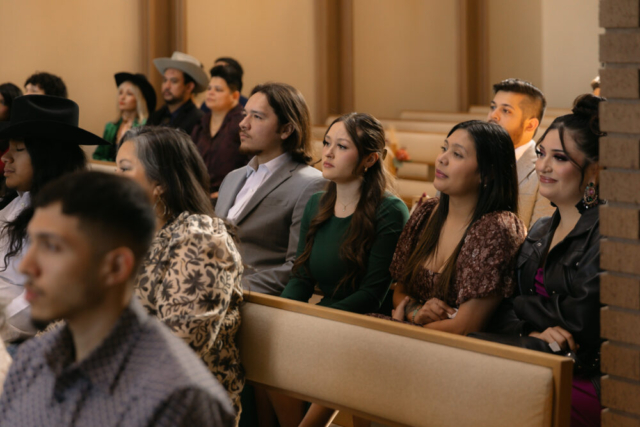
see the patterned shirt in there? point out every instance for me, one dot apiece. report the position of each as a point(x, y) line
point(141, 375)
point(190, 279)
point(486, 263)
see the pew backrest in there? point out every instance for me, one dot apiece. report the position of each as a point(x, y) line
point(398, 374)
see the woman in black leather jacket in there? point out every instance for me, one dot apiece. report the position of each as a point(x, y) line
point(557, 304)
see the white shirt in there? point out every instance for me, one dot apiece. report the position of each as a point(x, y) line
point(520, 150)
point(18, 319)
point(256, 176)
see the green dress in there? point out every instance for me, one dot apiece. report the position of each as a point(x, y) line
point(107, 153)
point(327, 268)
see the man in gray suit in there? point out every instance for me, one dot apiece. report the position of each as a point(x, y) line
point(518, 106)
point(266, 198)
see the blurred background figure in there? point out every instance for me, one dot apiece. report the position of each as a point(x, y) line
point(8, 92)
point(45, 84)
point(226, 60)
point(136, 101)
point(217, 136)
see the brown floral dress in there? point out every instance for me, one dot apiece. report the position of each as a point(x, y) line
point(485, 265)
point(190, 280)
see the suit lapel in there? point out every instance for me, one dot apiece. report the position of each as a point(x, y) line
point(527, 164)
point(228, 197)
point(273, 182)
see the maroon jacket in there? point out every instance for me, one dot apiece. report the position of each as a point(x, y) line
point(221, 152)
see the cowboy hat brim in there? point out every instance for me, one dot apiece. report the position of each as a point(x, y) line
point(196, 72)
point(50, 130)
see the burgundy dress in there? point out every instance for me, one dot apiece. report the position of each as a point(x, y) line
point(485, 265)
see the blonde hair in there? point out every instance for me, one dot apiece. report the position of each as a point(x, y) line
point(141, 104)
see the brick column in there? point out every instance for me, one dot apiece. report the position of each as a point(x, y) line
point(620, 219)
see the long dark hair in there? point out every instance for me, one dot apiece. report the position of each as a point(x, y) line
point(291, 108)
point(9, 92)
point(367, 134)
point(170, 158)
point(497, 191)
point(50, 159)
point(583, 124)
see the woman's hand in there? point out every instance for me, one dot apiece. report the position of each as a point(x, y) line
point(398, 313)
point(433, 311)
point(558, 335)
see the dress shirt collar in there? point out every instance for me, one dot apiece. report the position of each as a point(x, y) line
point(271, 166)
point(520, 150)
point(105, 362)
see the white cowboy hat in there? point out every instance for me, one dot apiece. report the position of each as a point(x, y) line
point(188, 65)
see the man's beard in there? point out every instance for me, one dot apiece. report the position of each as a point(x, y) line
point(173, 100)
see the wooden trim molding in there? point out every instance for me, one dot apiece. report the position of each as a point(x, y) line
point(473, 54)
point(164, 30)
point(334, 58)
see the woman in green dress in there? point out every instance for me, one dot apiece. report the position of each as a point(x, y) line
point(347, 237)
point(136, 101)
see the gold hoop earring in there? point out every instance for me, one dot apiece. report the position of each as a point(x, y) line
point(165, 210)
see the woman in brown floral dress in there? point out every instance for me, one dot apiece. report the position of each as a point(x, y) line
point(190, 278)
point(455, 259)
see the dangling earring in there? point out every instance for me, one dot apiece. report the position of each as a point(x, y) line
point(366, 169)
point(590, 198)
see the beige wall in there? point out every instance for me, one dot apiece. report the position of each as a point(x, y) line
point(273, 40)
point(84, 42)
point(515, 41)
point(551, 43)
point(569, 49)
point(405, 56)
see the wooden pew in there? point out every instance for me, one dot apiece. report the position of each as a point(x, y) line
point(410, 125)
point(397, 374)
point(423, 126)
point(551, 112)
point(437, 116)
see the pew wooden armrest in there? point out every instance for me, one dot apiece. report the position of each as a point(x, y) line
point(398, 374)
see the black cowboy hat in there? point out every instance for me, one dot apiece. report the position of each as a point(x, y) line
point(141, 81)
point(50, 117)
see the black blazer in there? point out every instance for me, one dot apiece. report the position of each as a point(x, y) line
point(571, 278)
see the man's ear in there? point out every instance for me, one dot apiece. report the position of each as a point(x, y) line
point(235, 95)
point(191, 86)
point(117, 266)
point(286, 131)
point(530, 125)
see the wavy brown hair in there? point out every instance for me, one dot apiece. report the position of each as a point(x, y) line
point(367, 135)
point(498, 192)
point(290, 108)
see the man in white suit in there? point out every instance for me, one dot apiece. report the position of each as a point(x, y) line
point(518, 107)
point(266, 198)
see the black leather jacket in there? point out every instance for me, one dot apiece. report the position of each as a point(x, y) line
point(571, 278)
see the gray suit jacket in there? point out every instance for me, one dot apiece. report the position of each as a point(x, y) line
point(269, 225)
point(531, 205)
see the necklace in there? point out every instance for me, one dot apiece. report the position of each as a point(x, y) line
point(344, 207)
